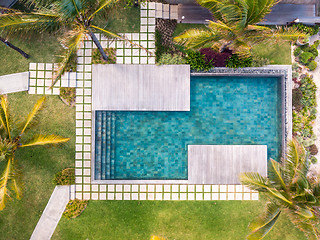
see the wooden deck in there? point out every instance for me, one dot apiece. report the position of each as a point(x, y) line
point(141, 87)
point(221, 164)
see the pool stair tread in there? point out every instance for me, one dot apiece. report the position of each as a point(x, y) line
point(105, 145)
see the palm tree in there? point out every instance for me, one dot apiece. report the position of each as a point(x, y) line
point(12, 137)
point(290, 191)
point(235, 26)
point(73, 18)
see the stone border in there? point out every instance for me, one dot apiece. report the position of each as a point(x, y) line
point(283, 71)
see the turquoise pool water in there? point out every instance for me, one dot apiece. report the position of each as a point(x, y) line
point(153, 145)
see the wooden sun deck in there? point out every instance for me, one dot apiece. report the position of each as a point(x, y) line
point(117, 87)
point(222, 164)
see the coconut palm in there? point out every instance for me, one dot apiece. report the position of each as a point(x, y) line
point(290, 191)
point(235, 26)
point(12, 137)
point(73, 18)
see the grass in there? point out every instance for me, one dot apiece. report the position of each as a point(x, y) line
point(38, 164)
point(181, 27)
point(120, 19)
point(139, 220)
point(277, 53)
point(41, 50)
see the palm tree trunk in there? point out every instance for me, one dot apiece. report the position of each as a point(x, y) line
point(6, 42)
point(97, 43)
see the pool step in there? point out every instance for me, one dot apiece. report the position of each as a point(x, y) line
point(105, 145)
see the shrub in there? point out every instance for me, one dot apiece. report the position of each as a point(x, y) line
point(64, 177)
point(197, 61)
point(311, 49)
point(68, 95)
point(237, 62)
point(295, 66)
point(216, 58)
point(306, 57)
point(74, 208)
point(316, 43)
point(312, 65)
point(313, 160)
point(308, 89)
point(311, 30)
point(295, 74)
point(313, 149)
point(97, 58)
point(297, 51)
point(172, 59)
point(259, 61)
point(296, 99)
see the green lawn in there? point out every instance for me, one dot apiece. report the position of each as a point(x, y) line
point(39, 164)
point(277, 53)
point(120, 19)
point(138, 220)
point(41, 50)
point(181, 27)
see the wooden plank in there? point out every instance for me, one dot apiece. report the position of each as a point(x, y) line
point(141, 87)
point(222, 164)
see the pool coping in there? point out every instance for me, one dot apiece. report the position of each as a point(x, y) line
point(282, 71)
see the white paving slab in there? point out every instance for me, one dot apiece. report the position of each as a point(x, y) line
point(16, 82)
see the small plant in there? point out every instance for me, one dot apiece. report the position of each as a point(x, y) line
point(74, 208)
point(239, 62)
point(68, 95)
point(313, 160)
point(311, 30)
point(171, 59)
point(306, 57)
point(259, 61)
point(297, 51)
point(316, 43)
point(197, 61)
point(312, 65)
point(313, 149)
point(97, 58)
point(65, 177)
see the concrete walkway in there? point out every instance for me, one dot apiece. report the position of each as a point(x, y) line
point(52, 213)
point(16, 82)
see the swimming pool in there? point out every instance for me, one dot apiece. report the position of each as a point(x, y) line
point(153, 145)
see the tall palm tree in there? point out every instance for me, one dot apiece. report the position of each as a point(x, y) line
point(12, 137)
point(289, 191)
point(235, 26)
point(73, 18)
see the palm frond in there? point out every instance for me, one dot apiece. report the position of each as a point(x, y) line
point(28, 24)
point(265, 223)
point(287, 34)
point(254, 181)
point(196, 38)
point(33, 113)
point(117, 36)
point(102, 4)
point(9, 182)
point(72, 40)
point(44, 140)
point(5, 117)
point(275, 174)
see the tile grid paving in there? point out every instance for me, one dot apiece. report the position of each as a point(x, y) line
point(83, 188)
